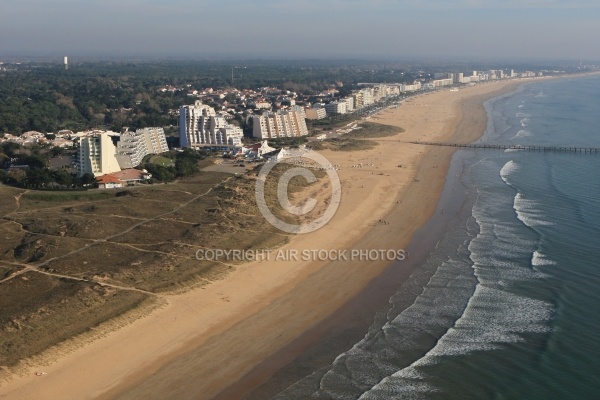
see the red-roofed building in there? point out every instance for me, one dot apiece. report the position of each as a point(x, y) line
point(132, 175)
point(109, 181)
point(122, 178)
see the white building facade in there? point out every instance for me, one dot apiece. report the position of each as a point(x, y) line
point(134, 146)
point(336, 108)
point(283, 123)
point(156, 141)
point(97, 156)
point(200, 125)
point(315, 112)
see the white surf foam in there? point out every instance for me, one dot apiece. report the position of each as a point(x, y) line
point(508, 169)
point(492, 319)
point(522, 133)
point(464, 304)
point(540, 259)
point(493, 316)
point(528, 211)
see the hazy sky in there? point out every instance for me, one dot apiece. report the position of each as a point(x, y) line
point(303, 28)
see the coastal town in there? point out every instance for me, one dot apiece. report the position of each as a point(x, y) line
point(227, 119)
point(116, 256)
point(325, 200)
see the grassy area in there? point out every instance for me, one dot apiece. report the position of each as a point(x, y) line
point(287, 142)
point(372, 130)
point(208, 161)
point(7, 199)
point(355, 140)
point(160, 160)
point(330, 122)
point(149, 238)
point(66, 196)
point(38, 311)
point(342, 144)
point(6, 271)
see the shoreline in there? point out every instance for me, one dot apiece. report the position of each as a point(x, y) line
point(263, 380)
point(317, 346)
point(263, 295)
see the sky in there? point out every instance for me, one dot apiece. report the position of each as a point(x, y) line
point(328, 29)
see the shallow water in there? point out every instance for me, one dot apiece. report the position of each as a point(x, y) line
point(507, 305)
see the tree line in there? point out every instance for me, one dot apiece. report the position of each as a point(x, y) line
point(186, 164)
point(112, 95)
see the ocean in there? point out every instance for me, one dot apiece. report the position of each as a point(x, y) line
point(507, 305)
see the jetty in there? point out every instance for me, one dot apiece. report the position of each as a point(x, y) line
point(582, 150)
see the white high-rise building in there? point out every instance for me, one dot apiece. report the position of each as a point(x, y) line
point(380, 91)
point(200, 125)
point(441, 82)
point(411, 88)
point(358, 100)
point(282, 123)
point(367, 96)
point(156, 142)
point(134, 146)
point(336, 108)
point(130, 150)
point(299, 110)
point(349, 103)
point(97, 155)
point(315, 112)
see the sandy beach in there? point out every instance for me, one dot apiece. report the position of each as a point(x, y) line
point(204, 340)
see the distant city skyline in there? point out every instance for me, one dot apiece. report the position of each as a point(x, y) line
point(476, 29)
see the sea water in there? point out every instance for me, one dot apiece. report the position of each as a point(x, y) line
point(507, 306)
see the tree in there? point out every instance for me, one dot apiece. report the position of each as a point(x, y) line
point(161, 173)
point(17, 176)
point(63, 177)
point(38, 177)
point(57, 151)
point(231, 98)
point(87, 179)
point(185, 166)
point(34, 161)
point(10, 149)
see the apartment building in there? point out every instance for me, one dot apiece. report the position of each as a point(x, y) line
point(97, 155)
point(315, 112)
point(134, 146)
point(200, 125)
point(336, 108)
point(283, 123)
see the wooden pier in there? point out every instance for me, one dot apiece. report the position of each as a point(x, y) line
point(582, 150)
